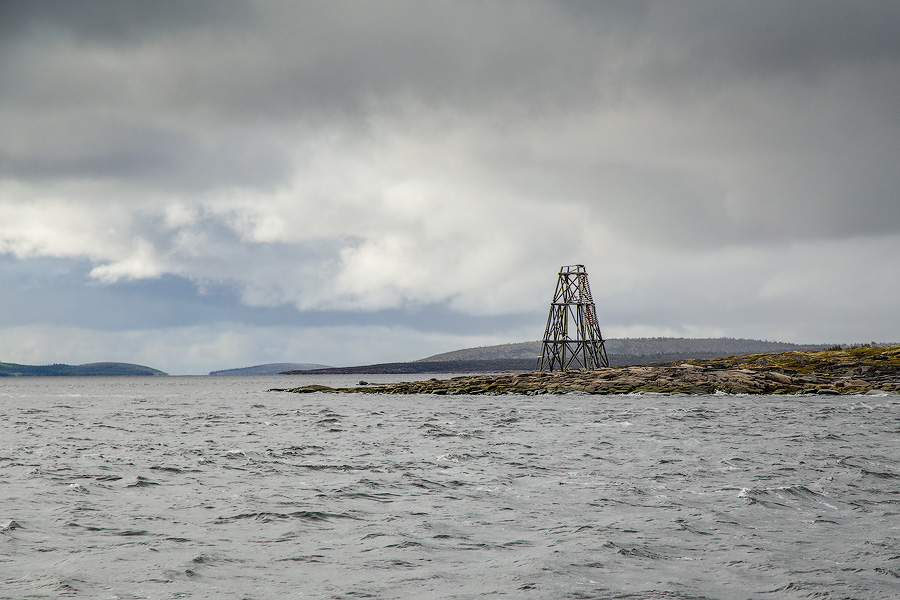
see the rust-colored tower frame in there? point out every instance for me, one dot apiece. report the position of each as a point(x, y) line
point(572, 312)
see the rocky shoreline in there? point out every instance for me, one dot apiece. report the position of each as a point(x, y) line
point(836, 371)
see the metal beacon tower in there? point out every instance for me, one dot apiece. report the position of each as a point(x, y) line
point(572, 339)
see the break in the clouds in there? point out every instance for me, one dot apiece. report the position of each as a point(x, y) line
point(402, 178)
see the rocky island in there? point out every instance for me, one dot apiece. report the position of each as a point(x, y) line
point(837, 370)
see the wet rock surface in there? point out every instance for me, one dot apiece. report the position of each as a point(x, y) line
point(856, 370)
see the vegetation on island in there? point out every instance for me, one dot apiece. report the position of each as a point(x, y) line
point(835, 359)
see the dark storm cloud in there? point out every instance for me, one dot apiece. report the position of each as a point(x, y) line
point(275, 57)
point(126, 22)
point(281, 59)
point(803, 38)
point(183, 72)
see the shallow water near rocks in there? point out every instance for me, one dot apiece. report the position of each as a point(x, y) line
point(213, 487)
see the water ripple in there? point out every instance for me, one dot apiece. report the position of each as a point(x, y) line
point(216, 488)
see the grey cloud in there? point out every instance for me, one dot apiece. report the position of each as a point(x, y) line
point(142, 152)
point(705, 45)
point(324, 66)
point(125, 22)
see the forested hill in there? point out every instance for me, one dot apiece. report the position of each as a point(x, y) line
point(523, 355)
point(628, 348)
point(102, 369)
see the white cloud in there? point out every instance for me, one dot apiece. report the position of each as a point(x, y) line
point(139, 263)
point(38, 223)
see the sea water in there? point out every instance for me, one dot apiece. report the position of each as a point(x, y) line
point(214, 487)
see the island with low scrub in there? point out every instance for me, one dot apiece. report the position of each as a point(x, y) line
point(836, 370)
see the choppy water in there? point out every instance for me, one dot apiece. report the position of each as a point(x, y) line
point(198, 487)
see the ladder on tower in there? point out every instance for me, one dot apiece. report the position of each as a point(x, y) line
point(588, 300)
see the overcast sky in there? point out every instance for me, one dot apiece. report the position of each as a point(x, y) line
point(205, 185)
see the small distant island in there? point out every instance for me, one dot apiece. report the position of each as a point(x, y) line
point(270, 369)
point(836, 370)
point(100, 369)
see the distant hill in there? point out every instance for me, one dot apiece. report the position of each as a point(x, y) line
point(270, 369)
point(521, 350)
point(523, 356)
point(102, 369)
point(635, 350)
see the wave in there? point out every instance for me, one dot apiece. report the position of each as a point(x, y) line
point(870, 469)
point(140, 482)
point(382, 497)
point(309, 516)
point(878, 474)
point(634, 551)
point(305, 558)
point(794, 496)
point(173, 469)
